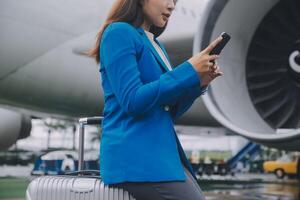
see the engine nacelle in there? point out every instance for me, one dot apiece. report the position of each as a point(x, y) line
point(259, 95)
point(13, 126)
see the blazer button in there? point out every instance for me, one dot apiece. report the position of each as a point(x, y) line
point(167, 108)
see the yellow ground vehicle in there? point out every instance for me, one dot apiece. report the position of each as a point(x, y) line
point(283, 166)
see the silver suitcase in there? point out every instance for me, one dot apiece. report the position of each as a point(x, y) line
point(80, 185)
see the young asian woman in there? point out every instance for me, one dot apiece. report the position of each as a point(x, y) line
point(140, 151)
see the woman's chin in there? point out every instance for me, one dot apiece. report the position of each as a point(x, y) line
point(161, 24)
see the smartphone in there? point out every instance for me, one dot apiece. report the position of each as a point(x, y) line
point(218, 48)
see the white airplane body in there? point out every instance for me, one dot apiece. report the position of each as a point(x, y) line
point(44, 73)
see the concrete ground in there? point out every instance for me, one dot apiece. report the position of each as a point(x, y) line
point(239, 187)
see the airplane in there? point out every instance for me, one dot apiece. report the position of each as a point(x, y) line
point(44, 72)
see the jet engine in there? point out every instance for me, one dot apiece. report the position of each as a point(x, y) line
point(259, 94)
point(13, 126)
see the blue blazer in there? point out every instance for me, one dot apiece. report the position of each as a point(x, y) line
point(142, 98)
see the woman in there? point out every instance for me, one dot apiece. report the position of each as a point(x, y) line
point(143, 95)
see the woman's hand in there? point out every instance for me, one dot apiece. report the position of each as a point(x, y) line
point(209, 76)
point(203, 66)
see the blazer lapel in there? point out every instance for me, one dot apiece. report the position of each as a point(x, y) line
point(153, 50)
point(165, 52)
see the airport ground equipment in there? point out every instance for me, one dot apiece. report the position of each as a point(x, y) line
point(245, 155)
point(211, 168)
point(63, 161)
point(80, 185)
point(285, 166)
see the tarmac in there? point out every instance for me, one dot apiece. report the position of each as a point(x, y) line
point(242, 186)
point(249, 187)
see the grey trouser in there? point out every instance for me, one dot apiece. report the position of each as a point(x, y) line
point(167, 190)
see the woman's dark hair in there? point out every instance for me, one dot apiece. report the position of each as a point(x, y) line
point(129, 11)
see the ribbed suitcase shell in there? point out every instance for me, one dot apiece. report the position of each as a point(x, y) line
point(73, 188)
point(70, 187)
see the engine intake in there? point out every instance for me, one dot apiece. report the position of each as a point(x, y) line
point(13, 126)
point(258, 96)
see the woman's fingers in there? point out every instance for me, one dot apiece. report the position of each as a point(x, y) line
point(212, 57)
point(215, 71)
point(212, 45)
point(219, 74)
point(207, 67)
point(202, 62)
point(210, 64)
point(214, 68)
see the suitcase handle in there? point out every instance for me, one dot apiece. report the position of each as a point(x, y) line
point(82, 122)
point(91, 120)
point(85, 172)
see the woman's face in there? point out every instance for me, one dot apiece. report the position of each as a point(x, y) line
point(157, 12)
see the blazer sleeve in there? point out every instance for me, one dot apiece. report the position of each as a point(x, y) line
point(180, 106)
point(186, 101)
point(118, 55)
